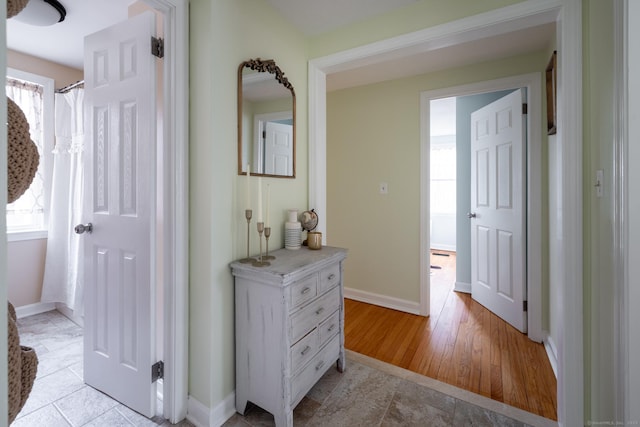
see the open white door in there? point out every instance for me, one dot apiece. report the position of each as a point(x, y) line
point(119, 338)
point(278, 149)
point(498, 239)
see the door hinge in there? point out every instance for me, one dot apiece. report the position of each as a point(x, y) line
point(525, 306)
point(525, 108)
point(157, 47)
point(157, 371)
point(264, 134)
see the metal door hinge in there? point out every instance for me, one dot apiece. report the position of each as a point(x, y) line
point(157, 47)
point(525, 108)
point(525, 306)
point(157, 371)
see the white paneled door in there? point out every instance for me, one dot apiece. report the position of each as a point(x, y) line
point(278, 149)
point(498, 239)
point(120, 84)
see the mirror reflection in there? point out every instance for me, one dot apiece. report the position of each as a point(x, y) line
point(266, 120)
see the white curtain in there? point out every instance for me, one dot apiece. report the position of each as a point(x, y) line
point(63, 278)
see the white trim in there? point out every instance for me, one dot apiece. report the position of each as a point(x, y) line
point(532, 82)
point(176, 205)
point(569, 33)
point(31, 309)
point(382, 300)
point(68, 313)
point(18, 236)
point(550, 348)
point(570, 108)
point(201, 416)
point(625, 378)
point(462, 287)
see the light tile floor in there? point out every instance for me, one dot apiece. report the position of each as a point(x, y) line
point(59, 397)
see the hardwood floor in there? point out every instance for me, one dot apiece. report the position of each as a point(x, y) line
point(461, 343)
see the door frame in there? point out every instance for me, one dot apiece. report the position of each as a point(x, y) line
point(175, 182)
point(567, 15)
point(533, 83)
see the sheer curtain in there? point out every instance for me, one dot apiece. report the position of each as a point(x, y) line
point(63, 279)
point(27, 213)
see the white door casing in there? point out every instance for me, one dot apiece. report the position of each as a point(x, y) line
point(120, 76)
point(498, 189)
point(278, 149)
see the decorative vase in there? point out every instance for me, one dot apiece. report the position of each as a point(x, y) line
point(292, 231)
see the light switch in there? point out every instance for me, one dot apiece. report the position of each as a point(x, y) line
point(384, 188)
point(599, 182)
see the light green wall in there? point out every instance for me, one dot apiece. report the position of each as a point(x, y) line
point(223, 34)
point(599, 287)
point(416, 16)
point(373, 136)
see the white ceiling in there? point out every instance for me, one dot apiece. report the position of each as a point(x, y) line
point(63, 42)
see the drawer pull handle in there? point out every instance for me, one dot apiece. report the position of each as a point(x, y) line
point(320, 310)
point(331, 328)
point(305, 290)
point(331, 277)
point(320, 365)
point(305, 351)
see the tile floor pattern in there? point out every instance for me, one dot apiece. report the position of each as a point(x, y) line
point(59, 397)
point(373, 393)
point(369, 393)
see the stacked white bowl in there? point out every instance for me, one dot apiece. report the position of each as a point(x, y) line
point(293, 231)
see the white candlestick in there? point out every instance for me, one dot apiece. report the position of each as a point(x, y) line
point(268, 197)
point(259, 199)
point(248, 186)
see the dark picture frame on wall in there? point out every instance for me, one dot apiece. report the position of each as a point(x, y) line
point(551, 78)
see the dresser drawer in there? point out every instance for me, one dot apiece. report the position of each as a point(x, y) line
point(312, 315)
point(303, 291)
point(329, 277)
point(313, 370)
point(329, 327)
point(304, 350)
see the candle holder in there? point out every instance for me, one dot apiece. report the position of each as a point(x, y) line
point(260, 262)
point(248, 213)
point(267, 233)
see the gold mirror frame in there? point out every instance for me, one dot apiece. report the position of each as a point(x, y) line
point(268, 66)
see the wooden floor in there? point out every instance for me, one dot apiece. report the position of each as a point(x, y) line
point(461, 343)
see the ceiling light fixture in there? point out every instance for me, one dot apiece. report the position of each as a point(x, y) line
point(42, 13)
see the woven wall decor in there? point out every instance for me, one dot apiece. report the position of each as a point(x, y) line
point(15, 6)
point(22, 367)
point(22, 153)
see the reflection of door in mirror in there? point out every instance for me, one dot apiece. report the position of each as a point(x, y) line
point(266, 120)
point(273, 144)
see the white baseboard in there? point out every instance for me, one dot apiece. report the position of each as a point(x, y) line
point(31, 309)
point(69, 314)
point(443, 247)
point(462, 287)
point(201, 416)
point(550, 347)
point(382, 300)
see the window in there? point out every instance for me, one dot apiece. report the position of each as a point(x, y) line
point(27, 217)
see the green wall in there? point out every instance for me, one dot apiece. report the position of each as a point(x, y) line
point(414, 17)
point(223, 34)
point(599, 287)
point(373, 136)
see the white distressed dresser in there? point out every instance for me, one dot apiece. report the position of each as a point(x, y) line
point(289, 327)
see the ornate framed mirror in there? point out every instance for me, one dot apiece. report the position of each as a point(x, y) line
point(266, 120)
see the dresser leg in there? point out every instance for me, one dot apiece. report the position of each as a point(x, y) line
point(284, 419)
point(341, 363)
